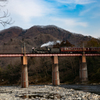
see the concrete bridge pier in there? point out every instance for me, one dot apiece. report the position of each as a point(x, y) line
point(24, 75)
point(83, 73)
point(55, 71)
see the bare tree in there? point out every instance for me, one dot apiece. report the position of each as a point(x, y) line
point(4, 15)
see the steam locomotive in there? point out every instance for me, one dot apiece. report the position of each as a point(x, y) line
point(65, 50)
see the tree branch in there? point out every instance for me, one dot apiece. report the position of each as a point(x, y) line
point(5, 15)
point(3, 1)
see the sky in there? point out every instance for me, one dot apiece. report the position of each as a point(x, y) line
point(77, 16)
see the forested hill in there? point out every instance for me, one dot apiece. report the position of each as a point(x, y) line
point(38, 35)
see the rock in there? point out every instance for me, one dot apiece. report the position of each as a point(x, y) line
point(44, 92)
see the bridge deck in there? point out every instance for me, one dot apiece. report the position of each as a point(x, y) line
point(44, 55)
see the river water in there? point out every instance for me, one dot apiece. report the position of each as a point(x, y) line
point(86, 88)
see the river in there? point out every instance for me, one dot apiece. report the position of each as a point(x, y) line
point(86, 88)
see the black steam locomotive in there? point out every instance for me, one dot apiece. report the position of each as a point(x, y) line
point(65, 50)
point(45, 50)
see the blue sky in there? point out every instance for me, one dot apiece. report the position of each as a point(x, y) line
point(77, 16)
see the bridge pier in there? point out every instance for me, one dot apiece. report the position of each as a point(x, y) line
point(24, 75)
point(55, 71)
point(83, 73)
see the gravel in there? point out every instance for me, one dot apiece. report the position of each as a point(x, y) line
point(44, 92)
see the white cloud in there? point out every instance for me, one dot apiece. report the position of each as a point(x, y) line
point(91, 10)
point(71, 4)
point(82, 2)
point(71, 22)
point(28, 9)
point(85, 11)
point(96, 14)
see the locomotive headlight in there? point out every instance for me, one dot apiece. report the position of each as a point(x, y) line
point(48, 49)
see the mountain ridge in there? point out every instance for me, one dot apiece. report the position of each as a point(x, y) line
point(40, 34)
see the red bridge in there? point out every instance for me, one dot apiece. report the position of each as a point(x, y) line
point(55, 69)
point(44, 55)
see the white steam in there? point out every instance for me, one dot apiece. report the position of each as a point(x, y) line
point(50, 43)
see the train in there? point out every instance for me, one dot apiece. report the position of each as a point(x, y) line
point(61, 50)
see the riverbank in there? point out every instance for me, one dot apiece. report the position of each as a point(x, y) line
point(44, 92)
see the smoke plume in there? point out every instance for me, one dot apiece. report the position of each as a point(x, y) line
point(50, 43)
